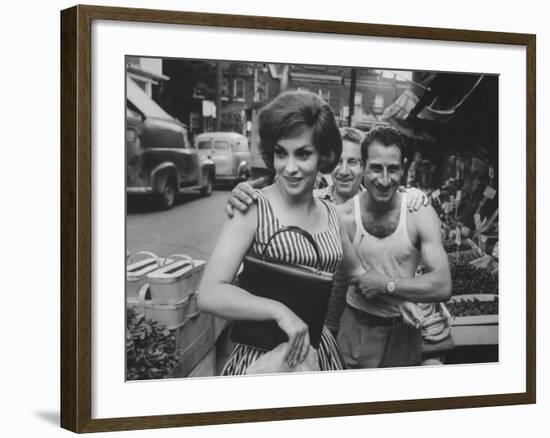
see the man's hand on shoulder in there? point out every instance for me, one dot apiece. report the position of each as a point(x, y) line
point(242, 197)
point(416, 198)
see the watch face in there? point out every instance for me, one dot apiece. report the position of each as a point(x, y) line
point(390, 287)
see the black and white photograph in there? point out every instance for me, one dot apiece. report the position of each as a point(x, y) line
point(298, 218)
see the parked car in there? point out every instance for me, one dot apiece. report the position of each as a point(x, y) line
point(162, 162)
point(230, 152)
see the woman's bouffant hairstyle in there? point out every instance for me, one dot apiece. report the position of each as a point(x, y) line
point(288, 115)
point(386, 136)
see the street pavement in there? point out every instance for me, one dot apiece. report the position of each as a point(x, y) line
point(191, 227)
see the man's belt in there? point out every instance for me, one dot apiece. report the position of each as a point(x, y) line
point(371, 320)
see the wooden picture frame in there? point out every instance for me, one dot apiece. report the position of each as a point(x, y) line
point(76, 217)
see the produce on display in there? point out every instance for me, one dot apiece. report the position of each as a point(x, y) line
point(435, 322)
point(466, 201)
point(467, 279)
point(473, 307)
point(150, 347)
point(452, 246)
point(467, 205)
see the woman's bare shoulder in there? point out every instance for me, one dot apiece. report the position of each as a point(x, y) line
point(267, 190)
point(246, 221)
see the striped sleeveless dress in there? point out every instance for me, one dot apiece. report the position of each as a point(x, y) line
point(293, 248)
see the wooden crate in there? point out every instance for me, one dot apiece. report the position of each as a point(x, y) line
point(475, 329)
point(219, 325)
point(193, 342)
point(466, 255)
point(206, 367)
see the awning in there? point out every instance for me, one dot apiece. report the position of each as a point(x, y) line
point(147, 106)
point(401, 108)
point(440, 113)
point(409, 130)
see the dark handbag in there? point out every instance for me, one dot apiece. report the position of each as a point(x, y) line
point(304, 290)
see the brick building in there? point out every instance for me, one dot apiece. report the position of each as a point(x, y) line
point(374, 90)
point(197, 92)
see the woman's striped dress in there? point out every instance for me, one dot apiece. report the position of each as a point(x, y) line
point(293, 248)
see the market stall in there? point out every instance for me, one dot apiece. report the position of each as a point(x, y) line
point(452, 132)
point(166, 334)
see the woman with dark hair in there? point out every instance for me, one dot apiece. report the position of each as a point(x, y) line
point(298, 138)
point(288, 115)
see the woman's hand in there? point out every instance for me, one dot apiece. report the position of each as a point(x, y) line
point(298, 335)
point(411, 313)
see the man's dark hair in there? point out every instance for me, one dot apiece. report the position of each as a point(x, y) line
point(288, 115)
point(386, 136)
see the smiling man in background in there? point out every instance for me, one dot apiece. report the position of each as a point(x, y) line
point(348, 173)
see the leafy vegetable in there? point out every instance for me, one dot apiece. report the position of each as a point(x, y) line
point(468, 279)
point(451, 246)
point(150, 348)
point(472, 307)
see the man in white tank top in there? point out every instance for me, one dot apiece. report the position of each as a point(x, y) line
point(379, 327)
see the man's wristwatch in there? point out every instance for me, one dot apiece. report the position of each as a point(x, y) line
point(391, 287)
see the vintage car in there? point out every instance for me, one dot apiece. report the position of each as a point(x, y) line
point(230, 152)
point(161, 161)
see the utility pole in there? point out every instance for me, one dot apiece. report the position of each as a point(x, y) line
point(353, 81)
point(219, 83)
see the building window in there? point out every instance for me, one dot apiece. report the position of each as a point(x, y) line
point(198, 91)
point(324, 94)
point(358, 104)
point(225, 89)
point(238, 89)
point(261, 87)
point(262, 92)
point(378, 103)
point(194, 122)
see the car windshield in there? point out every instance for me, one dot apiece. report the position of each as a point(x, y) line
point(221, 145)
point(205, 145)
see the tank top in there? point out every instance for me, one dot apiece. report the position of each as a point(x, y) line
point(393, 256)
point(292, 247)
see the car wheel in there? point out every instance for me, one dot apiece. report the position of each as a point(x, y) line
point(208, 187)
point(167, 197)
